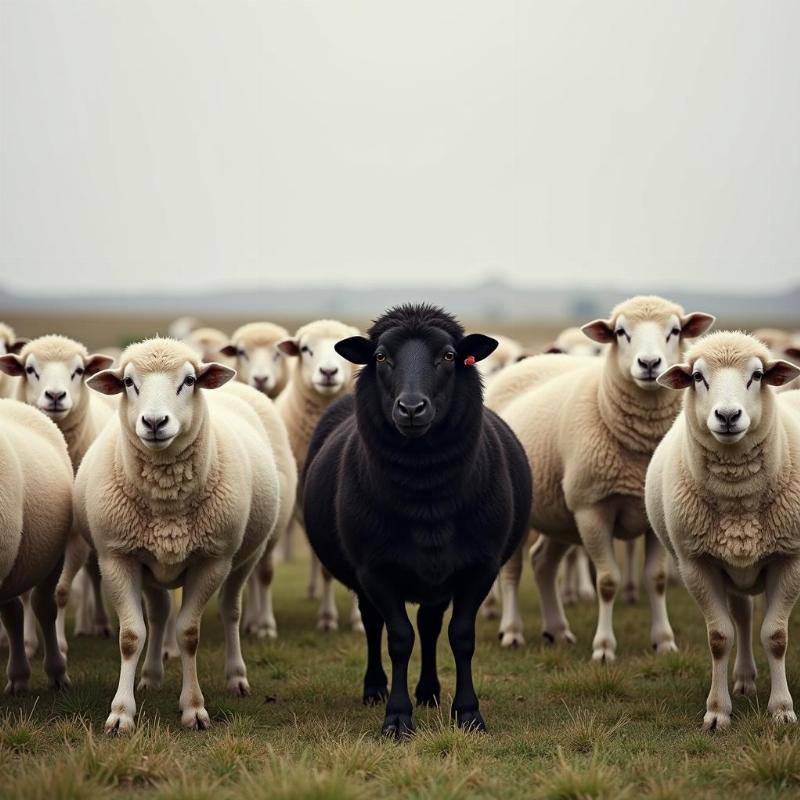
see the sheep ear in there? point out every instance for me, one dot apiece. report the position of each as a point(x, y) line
point(289, 347)
point(213, 375)
point(554, 349)
point(678, 376)
point(12, 364)
point(96, 362)
point(601, 330)
point(17, 345)
point(229, 350)
point(477, 346)
point(792, 353)
point(109, 381)
point(356, 349)
point(696, 324)
point(779, 372)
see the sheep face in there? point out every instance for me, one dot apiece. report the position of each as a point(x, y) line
point(264, 367)
point(413, 380)
point(643, 346)
point(574, 342)
point(159, 405)
point(728, 397)
point(54, 386)
point(320, 367)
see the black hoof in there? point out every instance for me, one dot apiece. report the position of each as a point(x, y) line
point(428, 694)
point(375, 695)
point(548, 638)
point(470, 721)
point(397, 726)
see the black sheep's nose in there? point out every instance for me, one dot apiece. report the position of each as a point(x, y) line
point(329, 372)
point(55, 397)
point(154, 423)
point(728, 415)
point(649, 363)
point(411, 408)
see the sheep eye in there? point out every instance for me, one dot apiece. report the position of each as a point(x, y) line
point(190, 380)
point(306, 349)
point(758, 375)
point(78, 371)
point(449, 355)
point(380, 357)
point(241, 354)
point(128, 382)
point(674, 332)
point(698, 377)
point(30, 371)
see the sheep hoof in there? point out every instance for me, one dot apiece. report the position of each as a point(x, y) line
point(119, 723)
point(668, 646)
point(171, 651)
point(376, 695)
point(327, 623)
point(630, 594)
point(565, 637)
point(471, 721)
point(17, 686)
point(587, 596)
point(102, 630)
point(398, 726)
point(269, 631)
point(512, 639)
point(196, 718)
point(149, 682)
point(239, 686)
point(358, 627)
point(745, 685)
point(716, 721)
point(569, 598)
point(428, 694)
point(784, 716)
point(603, 655)
point(60, 683)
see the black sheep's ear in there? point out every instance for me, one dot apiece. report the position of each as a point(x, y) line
point(476, 347)
point(356, 349)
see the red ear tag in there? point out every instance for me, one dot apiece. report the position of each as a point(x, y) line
point(469, 361)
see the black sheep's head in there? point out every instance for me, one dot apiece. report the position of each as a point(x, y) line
point(414, 360)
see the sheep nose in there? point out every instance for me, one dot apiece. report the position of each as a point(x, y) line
point(329, 372)
point(54, 396)
point(412, 407)
point(154, 423)
point(260, 382)
point(728, 416)
point(649, 364)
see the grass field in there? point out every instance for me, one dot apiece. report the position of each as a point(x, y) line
point(560, 727)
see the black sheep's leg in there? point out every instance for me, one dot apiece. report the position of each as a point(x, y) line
point(429, 625)
point(389, 604)
point(467, 600)
point(376, 686)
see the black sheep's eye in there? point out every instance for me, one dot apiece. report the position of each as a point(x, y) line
point(698, 377)
point(758, 375)
point(128, 382)
point(449, 355)
point(380, 357)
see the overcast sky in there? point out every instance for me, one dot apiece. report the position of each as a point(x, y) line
point(145, 144)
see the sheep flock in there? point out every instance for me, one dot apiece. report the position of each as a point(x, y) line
point(148, 481)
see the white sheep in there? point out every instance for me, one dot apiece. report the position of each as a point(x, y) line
point(53, 370)
point(35, 519)
point(589, 434)
point(574, 342)
point(9, 343)
point(319, 375)
point(258, 360)
point(209, 344)
point(181, 490)
point(723, 494)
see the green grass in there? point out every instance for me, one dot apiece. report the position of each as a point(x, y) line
point(560, 727)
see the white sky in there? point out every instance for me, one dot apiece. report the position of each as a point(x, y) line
point(143, 144)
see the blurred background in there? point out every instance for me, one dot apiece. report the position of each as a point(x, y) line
point(526, 164)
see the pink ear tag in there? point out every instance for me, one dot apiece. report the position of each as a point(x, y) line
point(469, 361)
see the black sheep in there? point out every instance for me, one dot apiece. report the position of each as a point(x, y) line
point(414, 492)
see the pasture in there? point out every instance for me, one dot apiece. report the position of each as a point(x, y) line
point(559, 726)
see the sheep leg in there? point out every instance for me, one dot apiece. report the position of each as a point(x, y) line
point(328, 618)
point(43, 604)
point(655, 578)
point(630, 584)
point(265, 574)
point(510, 633)
point(585, 587)
point(782, 591)
point(429, 625)
point(101, 626)
point(314, 574)
point(596, 529)
point(123, 578)
point(202, 579)
point(546, 556)
point(77, 552)
point(376, 685)
point(29, 624)
point(706, 586)
point(491, 606)
point(252, 609)
point(744, 668)
point(158, 605)
point(356, 623)
point(230, 606)
point(467, 599)
point(19, 669)
point(397, 723)
point(569, 586)
point(85, 602)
